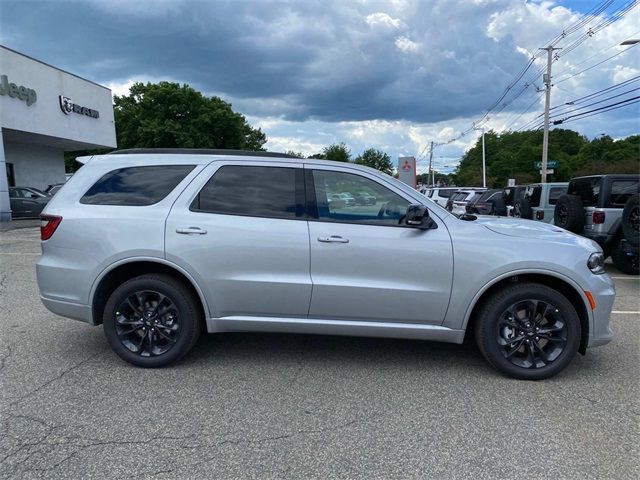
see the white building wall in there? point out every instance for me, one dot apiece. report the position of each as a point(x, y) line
point(34, 165)
point(44, 116)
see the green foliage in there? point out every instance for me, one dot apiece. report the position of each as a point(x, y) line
point(513, 155)
point(294, 154)
point(376, 159)
point(170, 115)
point(338, 152)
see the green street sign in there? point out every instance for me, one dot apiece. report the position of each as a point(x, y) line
point(550, 164)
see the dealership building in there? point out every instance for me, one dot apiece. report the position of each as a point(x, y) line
point(44, 112)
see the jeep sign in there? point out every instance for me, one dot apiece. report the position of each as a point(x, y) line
point(27, 95)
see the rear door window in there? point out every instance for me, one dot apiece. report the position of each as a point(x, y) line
point(555, 193)
point(253, 191)
point(621, 191)
point(446, 192)
point(136, 186)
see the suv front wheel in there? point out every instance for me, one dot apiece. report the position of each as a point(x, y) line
point(152, 320)
point(528, 331)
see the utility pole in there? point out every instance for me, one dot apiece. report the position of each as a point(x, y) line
point(484, 160)
point(431, 158)
point(547, 102)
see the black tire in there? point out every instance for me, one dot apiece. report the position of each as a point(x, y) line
point(569, 213)
point(498, 207)
point(494, 320)
point(522, 209)
point(128, 320)
point(631, 220)
point(625, 257)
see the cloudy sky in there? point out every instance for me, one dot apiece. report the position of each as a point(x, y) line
point(390, 74)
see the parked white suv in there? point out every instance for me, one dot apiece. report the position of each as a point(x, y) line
point(154, 244)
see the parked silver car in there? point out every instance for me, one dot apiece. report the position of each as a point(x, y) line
point(153, 244)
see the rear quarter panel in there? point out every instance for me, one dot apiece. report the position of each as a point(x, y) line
point(91, 238)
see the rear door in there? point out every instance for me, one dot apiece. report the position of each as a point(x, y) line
point(366, 265)
point(240, 230)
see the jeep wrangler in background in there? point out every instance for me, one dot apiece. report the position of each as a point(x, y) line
point(539, 201)
point(604, 208)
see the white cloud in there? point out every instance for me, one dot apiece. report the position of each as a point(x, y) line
point(384, 20)
point(406, 45)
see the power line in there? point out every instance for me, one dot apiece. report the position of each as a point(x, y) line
point(603, 109)
point(599, 101)
point(598, 93)
point(584, 115)
point(595, 65)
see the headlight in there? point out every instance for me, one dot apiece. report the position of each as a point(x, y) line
point(596, 263)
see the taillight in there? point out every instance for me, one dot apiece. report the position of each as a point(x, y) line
point(598, 217)
point(48, 225)
point(539, 215)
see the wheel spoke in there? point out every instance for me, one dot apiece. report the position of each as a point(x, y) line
point(514, 349)
point(541, 353)
point(530, 355)
point(163, 335)
point(131, 330)
point(148, 323)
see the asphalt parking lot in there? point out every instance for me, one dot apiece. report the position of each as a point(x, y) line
point(294, 406)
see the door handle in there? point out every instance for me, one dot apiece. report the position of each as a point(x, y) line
point(333, 239)
point(191, 231)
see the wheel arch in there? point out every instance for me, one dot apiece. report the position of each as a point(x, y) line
point(558, 282)
point(119, 272)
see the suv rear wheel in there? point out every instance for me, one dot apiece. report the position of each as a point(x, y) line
point(152, 320)
point(625, 257)
point(528, 331)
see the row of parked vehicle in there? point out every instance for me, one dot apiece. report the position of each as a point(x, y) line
point(603, 208)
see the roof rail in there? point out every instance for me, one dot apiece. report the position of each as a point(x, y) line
point(201, 151)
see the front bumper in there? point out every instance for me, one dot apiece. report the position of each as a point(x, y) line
point(604, 293)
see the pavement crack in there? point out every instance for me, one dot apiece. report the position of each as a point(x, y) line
point(53, 380)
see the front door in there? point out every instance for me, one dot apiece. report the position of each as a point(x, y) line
point(366, 265)
point(241, 231)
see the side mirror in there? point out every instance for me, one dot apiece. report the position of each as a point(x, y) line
point(418, 216)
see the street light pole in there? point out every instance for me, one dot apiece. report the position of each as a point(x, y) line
point(484, 160)
point(547, 101)
point(430, 159)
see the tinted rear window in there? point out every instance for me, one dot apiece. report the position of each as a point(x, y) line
point(621, 191)
point(533, 194)
point(446, 192)
point(555, 193)
point(587, 188)
point(136, 186)
point(275, 192)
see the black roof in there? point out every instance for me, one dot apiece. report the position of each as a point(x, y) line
point(201, 151)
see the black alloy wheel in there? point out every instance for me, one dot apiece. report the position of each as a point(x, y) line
point(531, 333)
point(528, 330)
point(147, 323)
point(152, 320)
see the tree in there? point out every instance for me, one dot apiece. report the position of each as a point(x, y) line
point(376, 159)
point(338, 152)
point(169, 115)
point(294, 153)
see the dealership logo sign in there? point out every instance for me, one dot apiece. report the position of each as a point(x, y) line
point(68, 107)
point(27, 95)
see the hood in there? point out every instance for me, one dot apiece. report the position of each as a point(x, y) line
point(514, 227)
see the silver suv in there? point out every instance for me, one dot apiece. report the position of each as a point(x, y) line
point(156, 244)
